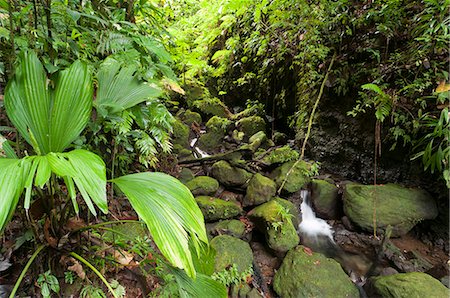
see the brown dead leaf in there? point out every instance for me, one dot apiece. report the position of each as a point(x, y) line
point(75, 267)
point(123, 257)
point(308, 251)
point(171, 85)
point(51, 240)
point(75, 223)
point(317, 262)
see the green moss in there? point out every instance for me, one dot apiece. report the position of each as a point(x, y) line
point(213, 107)
point(297, 178)
point(218, 123)
point(228, 175)
point(216, 209)
point(180, 134)
point(408, 285)
point(325, 198)
point(260, 190)
point(275, 219)
point(203, 185)
point(233, 227)
point(232, 251)
point(251, 125)
point(400, 207)
point(185, 175)
point(189, 117)
point(304, 274)
point(216, 131)
point(280, 155)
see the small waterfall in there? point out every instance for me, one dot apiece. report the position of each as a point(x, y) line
point(312, 226)
point(197, 150)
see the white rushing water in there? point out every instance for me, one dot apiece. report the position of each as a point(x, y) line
point(200, 152)
point(311, 225)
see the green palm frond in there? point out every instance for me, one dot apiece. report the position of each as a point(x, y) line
point(202, 286)
point(119, 88)
point(5, 148)
point(170, 212)
point(49, 120)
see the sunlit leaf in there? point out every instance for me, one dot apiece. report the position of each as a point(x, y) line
point(170, 212)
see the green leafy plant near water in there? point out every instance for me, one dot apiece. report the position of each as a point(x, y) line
point(50, 119)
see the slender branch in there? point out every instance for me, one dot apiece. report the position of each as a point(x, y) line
point(84, 261)
point(24, 271)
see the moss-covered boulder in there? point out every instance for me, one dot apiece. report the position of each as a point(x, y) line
point(180, 134)
point(275, 220)
point(298, 177)
point(203, 185)
point(251, 125)
point(409, 285)
point(189, 117)
point(231, 251)
point(212, 107)
point(260, 190)
point(228, 175)
point(324, 196)
point(307, 274)
point(216, 128)
point(215, 209)
point(232, 227)
point(397, 206)
point(280, 155)
point(185, 175)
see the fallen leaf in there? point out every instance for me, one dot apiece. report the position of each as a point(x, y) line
point(123, 257)
point(442, 87)
point(308, 251)
point(317, 262)
point(76, 267)
point(171, 85)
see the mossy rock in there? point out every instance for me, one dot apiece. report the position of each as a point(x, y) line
point(232, 227)
point(260, 190)
point(298, 177)
point(231, 250)
point(212, 107)
point(228, 175)
point(185, 175)
point(324, 196)
point(409, 285)
point(180, 134)
point(397, 206)
point(216, 130)
point(275, 219)
point(189, 117)
point(203, 185)
point(251, 125)
point(306, 274)
point(216, 209)
point(280, 155)
point(182, 152)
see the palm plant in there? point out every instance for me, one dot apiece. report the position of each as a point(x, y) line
point(50, 119)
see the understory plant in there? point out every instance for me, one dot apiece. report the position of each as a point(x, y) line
point(50, 114)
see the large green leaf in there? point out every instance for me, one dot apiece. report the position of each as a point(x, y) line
point(49, 119)
point(12, 181)
point(88, 172)
point(5, 148)
point(119, 89)
point(202, 286)
point(170, 212)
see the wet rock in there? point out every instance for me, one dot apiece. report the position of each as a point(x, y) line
point(413, 284)
point(216, 129)
point(324, 196)
point(180, 134)
point(240, 290)
point(185, 175)
point(308, 274)
point(251, 125)
point(203, 185)
point(189, 117)
point(280, 155)
point(228, 175)
point(254, 293)
point(275, 220)
point(297, 178)
point(212, 107)
point(445, 281)
point(257, 140)
point(400, 207)
point(216, 209)
point(388, 271)
point(260, 190)
point(279, 138)
point(231, 250)
point(233, 227)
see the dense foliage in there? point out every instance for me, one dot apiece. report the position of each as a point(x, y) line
point(391, 60)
